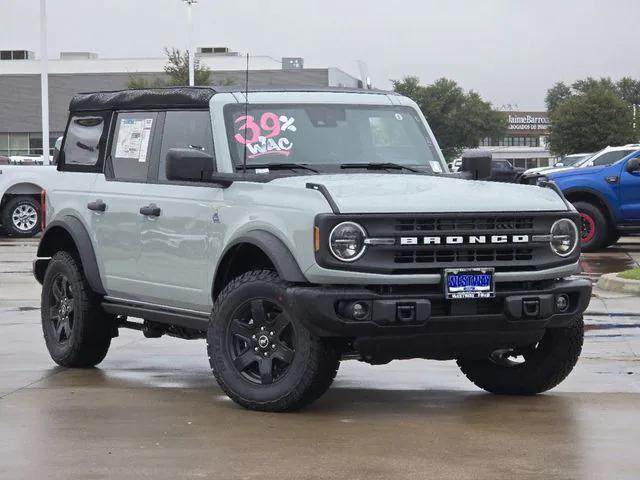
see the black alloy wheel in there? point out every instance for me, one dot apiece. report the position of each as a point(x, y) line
point(61, 308)
point(262, 341)
point(262, 355)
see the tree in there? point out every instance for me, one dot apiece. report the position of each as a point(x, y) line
point(177, 69)
point(556, 95)
point(581, 118)
point(589, 121)
point(459, 120)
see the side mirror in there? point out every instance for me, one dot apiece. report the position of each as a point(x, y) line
point(559, 164)
point(633, 165)
point(189, 165)
point(56, 151)
point(478, 162)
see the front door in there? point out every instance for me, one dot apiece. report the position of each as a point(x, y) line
point(182, 238)
point(629, 192)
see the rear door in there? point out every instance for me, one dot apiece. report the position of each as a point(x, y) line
point(116, 200)
point(179, 243)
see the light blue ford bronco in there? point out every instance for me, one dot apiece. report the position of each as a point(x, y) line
point(294, 229)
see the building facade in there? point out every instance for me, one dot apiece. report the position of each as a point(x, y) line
point(75, 72)
point(525, 142)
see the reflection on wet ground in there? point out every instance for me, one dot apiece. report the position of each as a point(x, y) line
point(623, 256)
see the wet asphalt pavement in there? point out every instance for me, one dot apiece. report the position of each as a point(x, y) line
point(153, 410)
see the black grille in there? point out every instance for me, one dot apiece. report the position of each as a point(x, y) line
point(483, 255)
point(417, 255)
point(459, 224)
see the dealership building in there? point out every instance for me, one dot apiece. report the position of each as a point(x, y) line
point(74, 72)
point(525, 142)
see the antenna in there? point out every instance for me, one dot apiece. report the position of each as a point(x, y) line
point(246, 112)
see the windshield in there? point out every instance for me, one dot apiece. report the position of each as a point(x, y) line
point(330, 135)
point(583, 161)
point(574, 159)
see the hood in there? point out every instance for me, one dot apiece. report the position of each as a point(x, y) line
point(548, 170)
point(404, 193)
point(574, 172)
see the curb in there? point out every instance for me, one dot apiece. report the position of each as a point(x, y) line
point(613, 283)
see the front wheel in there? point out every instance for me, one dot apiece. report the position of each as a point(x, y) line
point(263, 357)
point(594, 228)
point(531, 370)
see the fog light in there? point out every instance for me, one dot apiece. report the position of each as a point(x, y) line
point(359, 311)
point(562, 302)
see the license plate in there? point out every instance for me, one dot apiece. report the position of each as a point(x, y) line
point(469, 283)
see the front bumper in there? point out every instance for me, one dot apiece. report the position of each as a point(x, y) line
point(413, 323)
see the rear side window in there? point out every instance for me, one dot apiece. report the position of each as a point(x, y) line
point(84, 142)
point(131, 145)
point(185, 129)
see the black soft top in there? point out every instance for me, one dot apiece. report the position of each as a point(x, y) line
point(143, 98)
point(180, 97)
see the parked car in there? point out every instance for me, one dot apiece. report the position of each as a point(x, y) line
point(606, 156)
point(455, 165)
point(504, 171)
point(21, 187)
point(266, 228)
point(572, 160)
point(607, 198)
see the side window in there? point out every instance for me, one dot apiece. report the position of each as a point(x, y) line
point(84, 141)
point(501, 166)
point(612, 157)
point(185, 129)
point(131, 145)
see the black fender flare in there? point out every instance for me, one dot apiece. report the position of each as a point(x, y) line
point(78, 233)
point(280, 256)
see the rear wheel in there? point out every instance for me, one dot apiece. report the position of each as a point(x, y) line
point(531, 370)
point(263, 357)
point(76, 329)
point(594, 228)
point(21, 216)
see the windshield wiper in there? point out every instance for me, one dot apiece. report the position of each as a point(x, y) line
point(281, 166)
point(379, 166)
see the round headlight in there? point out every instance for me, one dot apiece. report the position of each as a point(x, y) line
point(346, 241)
point(564, 237)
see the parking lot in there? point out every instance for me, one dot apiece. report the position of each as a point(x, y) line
point(152, 408)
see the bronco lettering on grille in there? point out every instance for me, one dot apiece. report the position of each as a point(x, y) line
point(464, 239)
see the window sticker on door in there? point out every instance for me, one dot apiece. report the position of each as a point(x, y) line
point(133, 138)
point(267, 136)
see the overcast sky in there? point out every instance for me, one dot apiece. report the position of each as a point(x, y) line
point(510, 51)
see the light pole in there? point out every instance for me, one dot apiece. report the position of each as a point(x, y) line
point(190, 4)
point(44, 81)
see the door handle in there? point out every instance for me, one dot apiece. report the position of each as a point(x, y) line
point(151, 210)
point(97, 206)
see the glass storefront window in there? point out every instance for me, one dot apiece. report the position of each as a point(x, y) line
point(35, 143)
point(19, 143)
point(4, 144)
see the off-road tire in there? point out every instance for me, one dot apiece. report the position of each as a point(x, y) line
point(21, 201)
point(91, 329)
point(554, 358)
point(308, 376)
point(601, 233)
